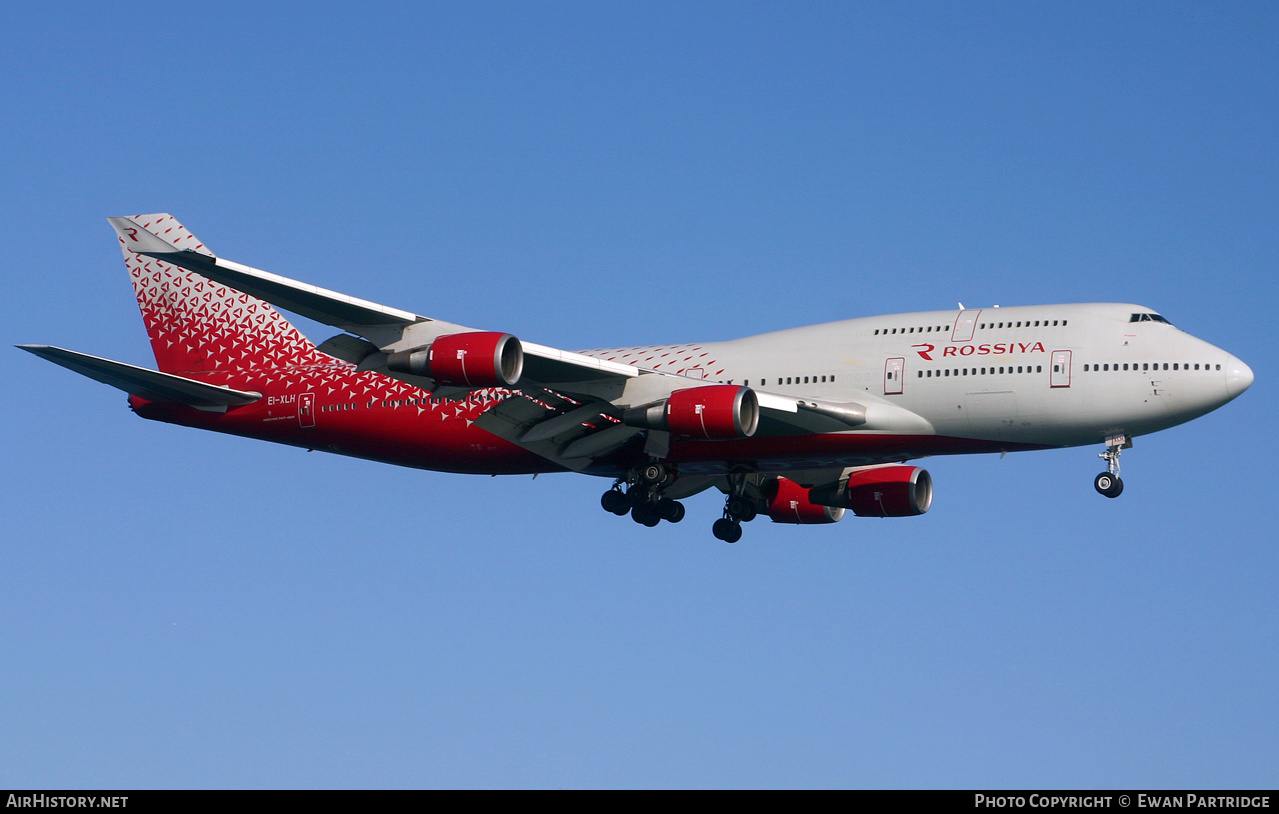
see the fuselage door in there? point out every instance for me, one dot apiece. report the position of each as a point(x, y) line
point(965, 325)
point(1060, 375)
point(893, 369)
point(306, 410)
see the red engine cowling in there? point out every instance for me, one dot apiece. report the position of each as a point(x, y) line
point(714, 412)
point(889, 491)
point(472, 359)
point(788, 502)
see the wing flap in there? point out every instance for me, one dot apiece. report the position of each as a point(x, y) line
point(148, 384)
point(571, 432)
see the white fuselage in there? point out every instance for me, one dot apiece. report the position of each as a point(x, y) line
point(1053, 375)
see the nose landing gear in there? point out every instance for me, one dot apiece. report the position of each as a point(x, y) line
point(1108, 483)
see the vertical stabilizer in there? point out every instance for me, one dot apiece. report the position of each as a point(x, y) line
point(196, 324)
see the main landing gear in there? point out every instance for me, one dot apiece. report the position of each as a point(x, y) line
point(640, 493)
point(738, 509)
point(642, 498)
point(1108, 483)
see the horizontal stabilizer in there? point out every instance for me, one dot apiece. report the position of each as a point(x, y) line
point(148, 384)
point(310, 301)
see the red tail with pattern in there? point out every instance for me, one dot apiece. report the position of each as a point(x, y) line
point(197, 325)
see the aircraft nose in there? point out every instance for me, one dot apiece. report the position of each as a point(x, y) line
point(1238, 376)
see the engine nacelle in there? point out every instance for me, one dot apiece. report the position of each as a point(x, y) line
point(887, 491)
point(788, 502)
point(472, 359)
point(714, 412)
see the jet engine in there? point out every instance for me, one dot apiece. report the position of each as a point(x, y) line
point(472, 359)
point(881, 491)
point(714, 412)
point(788, 502)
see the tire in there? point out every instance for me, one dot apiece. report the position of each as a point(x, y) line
point(615, 502)
point(741, 509)
point(1108, 485)
point(645, 516)
point(671, 511)
point(727, 530)
point(653, 474)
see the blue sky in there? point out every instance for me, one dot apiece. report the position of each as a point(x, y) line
point(180, 609)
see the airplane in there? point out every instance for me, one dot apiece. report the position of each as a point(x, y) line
point(800, 425)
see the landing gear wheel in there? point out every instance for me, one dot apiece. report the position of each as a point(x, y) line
point(740, 508)
point(1108, 484)
point(654, 474)
point(646, 516)
point(727, 530)
point(614, 501)
point(672, 511)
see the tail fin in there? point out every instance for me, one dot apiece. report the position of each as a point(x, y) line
point(196, 324)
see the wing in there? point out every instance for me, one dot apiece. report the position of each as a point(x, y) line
point(387, 328)
point(568, 407)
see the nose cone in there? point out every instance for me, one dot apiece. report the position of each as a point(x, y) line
point(1238, 376)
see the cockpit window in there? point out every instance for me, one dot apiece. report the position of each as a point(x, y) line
point(1148, 318)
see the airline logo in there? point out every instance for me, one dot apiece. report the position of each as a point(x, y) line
point(926, 350)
